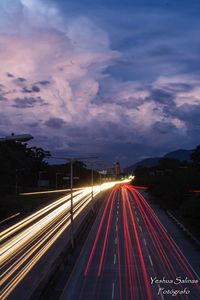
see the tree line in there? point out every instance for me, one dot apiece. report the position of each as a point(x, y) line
point(21, 168)
point(172, 184)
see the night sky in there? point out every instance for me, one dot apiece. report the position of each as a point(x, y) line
point(118, 78)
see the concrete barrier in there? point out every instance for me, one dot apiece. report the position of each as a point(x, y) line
point(186, 231)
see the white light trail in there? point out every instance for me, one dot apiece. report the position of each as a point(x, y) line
point(24, 243)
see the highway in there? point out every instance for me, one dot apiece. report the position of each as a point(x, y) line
point(129, 255)
point(25, 243)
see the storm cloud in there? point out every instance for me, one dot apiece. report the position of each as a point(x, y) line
point(27, 102)
point(56, 123)
point(118, 78)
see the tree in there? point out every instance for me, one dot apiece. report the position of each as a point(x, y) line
point(20, 164)
point(196, 156)
point(168, 164)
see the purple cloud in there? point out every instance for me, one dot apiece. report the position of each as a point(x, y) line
point(55, 123)
point(112, 82)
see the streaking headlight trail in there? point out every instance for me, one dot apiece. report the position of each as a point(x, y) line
point(24, 243)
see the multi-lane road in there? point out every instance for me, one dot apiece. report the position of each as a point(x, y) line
point(129, 255)
point(26, 242)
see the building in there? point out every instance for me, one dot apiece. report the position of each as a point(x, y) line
point(117, 169)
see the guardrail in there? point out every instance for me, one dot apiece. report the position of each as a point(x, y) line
point(186, 231)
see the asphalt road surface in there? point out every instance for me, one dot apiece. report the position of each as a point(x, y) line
point(129, 255)
point(24, 244)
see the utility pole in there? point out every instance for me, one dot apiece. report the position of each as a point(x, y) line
point(92, 184)
point(72, 160)
point(72, 206)
point(100, 180)
point(97, 162)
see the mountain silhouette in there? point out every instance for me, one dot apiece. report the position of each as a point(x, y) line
point(181, 154)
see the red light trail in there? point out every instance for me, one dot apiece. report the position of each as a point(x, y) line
point(107, 232)
point(110, 199)
point(129, 231)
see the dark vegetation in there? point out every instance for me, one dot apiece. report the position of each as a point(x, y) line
point(25, 169)
point(172, 184)
point(20, 166)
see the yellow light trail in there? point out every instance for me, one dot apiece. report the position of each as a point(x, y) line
point(13, 229)
point(24, 243)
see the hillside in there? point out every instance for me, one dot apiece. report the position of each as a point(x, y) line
point(181, 154)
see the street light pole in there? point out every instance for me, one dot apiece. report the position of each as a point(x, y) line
point(71, 187)
point(100, 162)
point(72, 160)
point(100, 181)
point(92, 184)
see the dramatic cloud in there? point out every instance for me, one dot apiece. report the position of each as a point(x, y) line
point(56, 123)
point(101, 76)
point(2, 98)
point(164, 127)
point(162, 97)
point(28, 102)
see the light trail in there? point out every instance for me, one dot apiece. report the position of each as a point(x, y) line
point(20, 239)
point(26, 221)
point(9, 218)
point(24, 243)
point(129, 255)
point(97, 235)
point(107, 232)
point(119, 265)
point(128, 252)
point(170, 244)
point(159, 244)
point(141, 258)
point(49, 192)
point(169, 258)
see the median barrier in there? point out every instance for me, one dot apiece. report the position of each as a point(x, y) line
point(67, 257)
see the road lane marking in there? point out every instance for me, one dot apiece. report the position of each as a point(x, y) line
point(136, 213)
point(138, 220)
point(150, 260)
point(116, 227)
point(145, 241)
point(162, 225)
point(117, 219)
point(117, 212)
point(113, 290)
point(114, 258)
point(140, 228)
point(115, 240)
